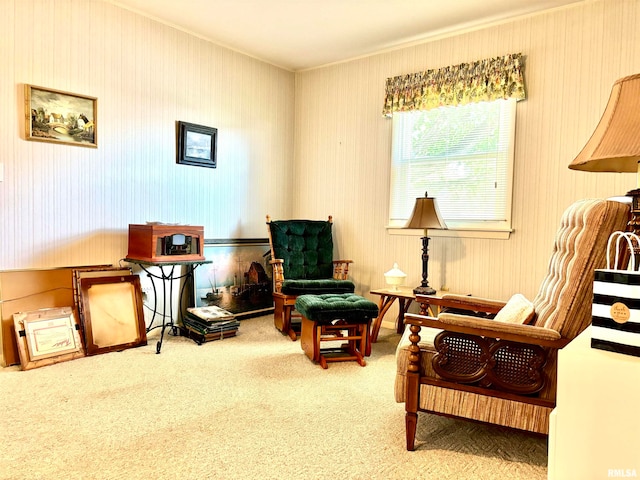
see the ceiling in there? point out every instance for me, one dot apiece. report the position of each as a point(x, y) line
point(303, 34)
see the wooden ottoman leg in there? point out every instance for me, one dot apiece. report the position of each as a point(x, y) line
point(322, 359)
point(359, 344)
point(309, 339)
point(317, 337)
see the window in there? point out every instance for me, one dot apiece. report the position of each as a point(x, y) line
point(463, 156)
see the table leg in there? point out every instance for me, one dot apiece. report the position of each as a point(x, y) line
point(403, 307)
point(168, 301)
point(167, 278)
point(385, 303)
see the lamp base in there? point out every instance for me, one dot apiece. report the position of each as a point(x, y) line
point(424, 290)
point(634, 222)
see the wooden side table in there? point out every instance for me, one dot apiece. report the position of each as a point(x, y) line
point(388, 296)
point(405, 297)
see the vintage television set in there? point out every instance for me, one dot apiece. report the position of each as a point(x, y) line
point(166, 243)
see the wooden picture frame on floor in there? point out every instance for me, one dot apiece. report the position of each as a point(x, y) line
point(93, 272)
point(47, 336)
point(113, 313)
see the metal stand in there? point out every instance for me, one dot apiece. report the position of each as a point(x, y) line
point(167, 276)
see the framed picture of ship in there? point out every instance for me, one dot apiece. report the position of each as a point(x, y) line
point(239, 278)
point(60, 117)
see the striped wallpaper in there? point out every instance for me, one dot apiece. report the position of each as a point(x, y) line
point(67, 205)
point(342, 148)
point(306, 144)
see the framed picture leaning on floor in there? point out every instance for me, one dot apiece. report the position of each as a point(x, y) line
point(239, 278)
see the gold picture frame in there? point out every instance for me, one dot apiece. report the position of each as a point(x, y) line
point(47, 336)
point(61, 117)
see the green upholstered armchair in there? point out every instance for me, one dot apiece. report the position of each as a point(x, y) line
point(302, 259)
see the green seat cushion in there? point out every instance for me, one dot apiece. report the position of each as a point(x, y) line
point(328, 307)
point(317, 286)
point(305, 246)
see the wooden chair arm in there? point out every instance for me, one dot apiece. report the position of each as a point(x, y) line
point(278, 274)
point(464, 302)
point(528, 334)
point(341, 269)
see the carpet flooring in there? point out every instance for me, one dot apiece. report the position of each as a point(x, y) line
point(248, 407)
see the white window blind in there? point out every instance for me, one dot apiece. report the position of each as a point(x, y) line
point(462, 156)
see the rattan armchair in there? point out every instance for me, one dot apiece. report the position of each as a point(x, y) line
point(502, 370)
point(302, 259)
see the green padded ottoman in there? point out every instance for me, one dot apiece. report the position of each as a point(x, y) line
point(336, 317)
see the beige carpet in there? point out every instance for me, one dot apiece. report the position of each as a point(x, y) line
point(249, 407)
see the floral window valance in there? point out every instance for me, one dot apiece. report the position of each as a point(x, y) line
point(490, 79)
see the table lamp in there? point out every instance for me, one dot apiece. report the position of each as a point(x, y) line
point(425, 215)
point(614, 145)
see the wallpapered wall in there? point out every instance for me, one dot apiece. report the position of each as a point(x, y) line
point(67, 205)
point(308, 144)
point(573, 56)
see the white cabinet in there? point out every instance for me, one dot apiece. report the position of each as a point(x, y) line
point(595, 427)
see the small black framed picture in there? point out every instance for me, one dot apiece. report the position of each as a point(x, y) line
point(197, 145)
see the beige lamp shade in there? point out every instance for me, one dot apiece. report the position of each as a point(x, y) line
point(615, 143)
point(426, 214)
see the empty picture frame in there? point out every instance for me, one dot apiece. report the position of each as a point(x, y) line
point(47, 336)
point(197, 145)
point(93, 272)
point(113, 313)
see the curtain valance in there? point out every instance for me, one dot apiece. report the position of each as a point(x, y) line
point(489, 79)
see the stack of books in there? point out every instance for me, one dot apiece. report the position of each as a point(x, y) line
point(205, 324)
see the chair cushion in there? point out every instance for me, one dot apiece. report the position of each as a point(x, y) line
point(305, 246)
point(517, 310)
point(329, 307)
point(564, 300)
point(310, 287)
